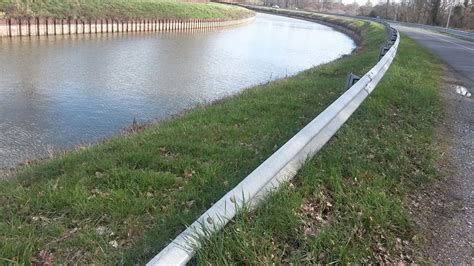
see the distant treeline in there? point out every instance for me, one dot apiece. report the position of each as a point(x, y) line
point(430, 12)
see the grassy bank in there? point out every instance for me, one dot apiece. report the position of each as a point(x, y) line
point(119, 9)
point(121, 201)
point(346, 204)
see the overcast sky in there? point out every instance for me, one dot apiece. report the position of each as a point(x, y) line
point(361, 2)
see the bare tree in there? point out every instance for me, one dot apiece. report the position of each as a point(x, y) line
point(435, 6)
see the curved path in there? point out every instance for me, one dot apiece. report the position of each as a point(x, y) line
point(446, 210)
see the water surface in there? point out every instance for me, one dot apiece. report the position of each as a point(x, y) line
point(57, 92)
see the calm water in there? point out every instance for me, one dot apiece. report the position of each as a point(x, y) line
point(61, 91)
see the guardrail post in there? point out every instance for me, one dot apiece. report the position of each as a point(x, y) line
point(383, 50)
point(394, 36)
point(351, 79)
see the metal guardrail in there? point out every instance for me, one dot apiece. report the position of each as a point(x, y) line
point(280, 167)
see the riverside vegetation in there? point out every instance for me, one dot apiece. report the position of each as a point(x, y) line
point(122, 200)
point(120, 9)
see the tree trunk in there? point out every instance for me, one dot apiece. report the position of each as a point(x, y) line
point(435, 11)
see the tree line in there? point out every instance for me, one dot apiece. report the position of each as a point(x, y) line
point(430, 12)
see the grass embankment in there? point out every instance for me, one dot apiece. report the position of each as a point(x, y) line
point(121, 201)
point(346, 204)
point(120, 9)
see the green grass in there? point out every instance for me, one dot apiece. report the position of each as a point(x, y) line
point(122, 200)
point(120, 9)
point(345, 206)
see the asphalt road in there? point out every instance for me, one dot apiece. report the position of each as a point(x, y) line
point(448, 216)
point(459, 54)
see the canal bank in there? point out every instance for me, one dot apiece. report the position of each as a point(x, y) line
point(89, 17)
point(119, 9)
point(52, 27)
point(124, 199)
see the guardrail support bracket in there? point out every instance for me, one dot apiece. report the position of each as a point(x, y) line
point(383, 50)
point(351, 79)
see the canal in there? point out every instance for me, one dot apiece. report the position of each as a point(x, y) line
point(58, 92)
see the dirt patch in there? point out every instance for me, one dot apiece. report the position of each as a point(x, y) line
point(444, 210)
point(5, 173)
point(316, 213)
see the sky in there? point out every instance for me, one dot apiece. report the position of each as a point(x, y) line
point(360, 2)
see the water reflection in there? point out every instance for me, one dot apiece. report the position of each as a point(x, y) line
point(63, 90)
